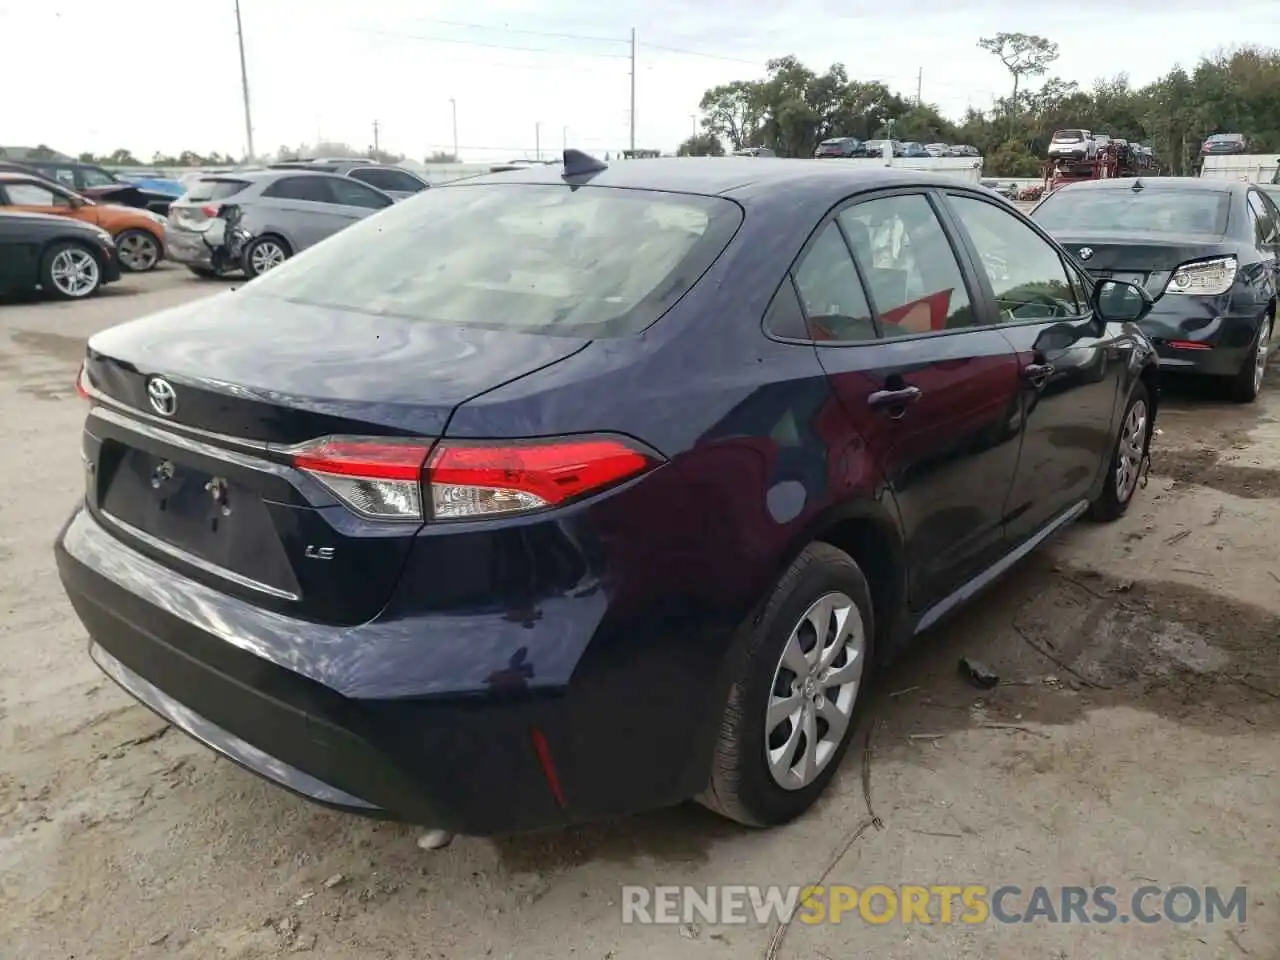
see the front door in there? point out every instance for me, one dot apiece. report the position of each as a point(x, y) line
point(1070, 363)
point(33, 196)
point(930, 389)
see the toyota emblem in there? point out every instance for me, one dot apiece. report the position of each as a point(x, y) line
point(1085, 254)
point(164, 399)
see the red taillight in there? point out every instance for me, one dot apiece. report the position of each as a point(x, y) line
point(474, 478)
point(385, 478)
point(210, 210)
point(377, 477)
point(82, 389)
point(1188, 345)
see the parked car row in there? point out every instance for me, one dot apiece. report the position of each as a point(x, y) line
point(99, 184)
point(907, 149)
point(47, 227)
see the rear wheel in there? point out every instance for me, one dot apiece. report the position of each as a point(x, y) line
point(1127, 458)
point(799, 674)
point(1247, 383)
point(69, 271)
point(264, 254)
point(139, 251)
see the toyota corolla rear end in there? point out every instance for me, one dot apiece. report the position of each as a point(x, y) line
point(284, 550)
point(1210, 298)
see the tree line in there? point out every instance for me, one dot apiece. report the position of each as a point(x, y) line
point(794, 108)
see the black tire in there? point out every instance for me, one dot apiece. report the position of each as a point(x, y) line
point(78, 250)
point(247, 260)
point(1112, 503)
point(740, 786)
point(142, 240)
point(1246, 384)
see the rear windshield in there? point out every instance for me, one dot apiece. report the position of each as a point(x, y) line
point(1069, 136)
point(1225, 138)
point(590, 261)
point(203, 190)
point(1144, 211)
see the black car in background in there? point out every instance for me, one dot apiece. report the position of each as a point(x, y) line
point(1224, 144)
point(67, 259)
point(1204, 250)
point(839, 147)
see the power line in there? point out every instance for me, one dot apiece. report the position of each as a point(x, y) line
point(495, 46)
point(506, 29)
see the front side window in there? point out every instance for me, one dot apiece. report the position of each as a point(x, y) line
point(33, 195)
point(550, 259)
point(349, 193)
point(96, 177)
point(1264, 222)
point(1026, 272)
point(831, 292)
point(384, 179)
point(913, 278)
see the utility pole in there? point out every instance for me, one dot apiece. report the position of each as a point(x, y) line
point(919, 85)
point(633, 89)
point(537, 140)
point(244, 83)
point(565, 138)
point(454, 104)
point(693, 125)
point(375, 136)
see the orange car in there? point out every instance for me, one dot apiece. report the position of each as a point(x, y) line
point(139, 234)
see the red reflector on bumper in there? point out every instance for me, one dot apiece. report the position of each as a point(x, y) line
point(1188, 345)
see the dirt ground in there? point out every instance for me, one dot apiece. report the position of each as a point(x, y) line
point(1139, 745)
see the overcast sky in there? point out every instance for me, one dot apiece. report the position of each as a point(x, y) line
point(97, 75)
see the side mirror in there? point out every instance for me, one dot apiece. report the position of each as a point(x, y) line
point(1118, 301)
point(75, 202)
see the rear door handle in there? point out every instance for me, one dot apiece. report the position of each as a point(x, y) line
point(894, 402)
point(1038, 373)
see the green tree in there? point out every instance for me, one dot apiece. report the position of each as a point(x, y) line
point(701, 145)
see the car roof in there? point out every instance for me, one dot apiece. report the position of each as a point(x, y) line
point(253, 176)
point(808, 180)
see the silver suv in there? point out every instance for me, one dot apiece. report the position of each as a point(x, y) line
point(396, 182)
point(252, 220)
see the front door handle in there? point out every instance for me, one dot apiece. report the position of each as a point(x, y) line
point(1037, 373)
point(894, 402)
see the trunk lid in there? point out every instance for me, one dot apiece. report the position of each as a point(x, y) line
point(1140, 259)
point(206, 486)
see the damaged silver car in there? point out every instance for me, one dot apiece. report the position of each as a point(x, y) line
point(248, 221)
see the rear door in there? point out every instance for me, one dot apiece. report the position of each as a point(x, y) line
point(19, 252)
point(925, 381)
point(1070, 363)
point(304, 209)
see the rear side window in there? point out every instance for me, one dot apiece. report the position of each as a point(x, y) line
point(203, 191)
point(310, 189)
point(96, 177)
point(384, 179)
point(581, 261)
point(1263, 220)
point(914, 279)
point(1153, 210)
point(831, 292)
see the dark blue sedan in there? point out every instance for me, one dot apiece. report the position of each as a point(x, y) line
point(572, 491)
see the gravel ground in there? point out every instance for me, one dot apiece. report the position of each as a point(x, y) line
point(1139, 745)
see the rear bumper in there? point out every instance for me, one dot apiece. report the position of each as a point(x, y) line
point(1223, 339)
point(188, 248)
point(345, 724)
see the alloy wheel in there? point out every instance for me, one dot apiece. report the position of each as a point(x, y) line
point(265, 255)
point(815, 687)
point(1133, 438)
point(1260, 361)
point(138, 252)
point(75, 272)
